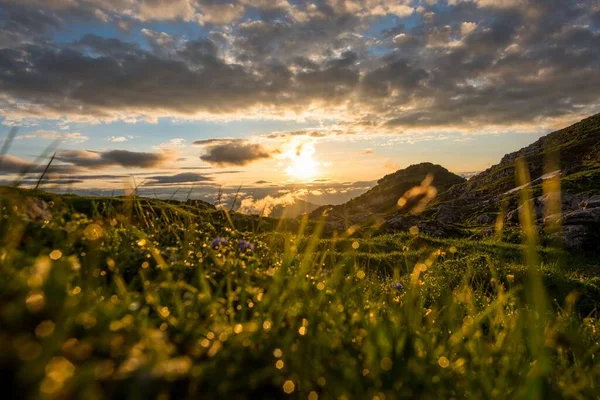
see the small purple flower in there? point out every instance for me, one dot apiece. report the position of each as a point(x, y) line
point(218, 242)
point(245, 246)
point(398, 286)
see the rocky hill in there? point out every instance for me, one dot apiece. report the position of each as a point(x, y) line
point(575, 151)
point(374, 205)
point(478, 206)
point(571, 156)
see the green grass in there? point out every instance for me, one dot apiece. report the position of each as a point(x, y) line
point(130, 300)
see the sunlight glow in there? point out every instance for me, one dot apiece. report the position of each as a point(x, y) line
point(303, 165)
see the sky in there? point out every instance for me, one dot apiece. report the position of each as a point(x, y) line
point(288, 99)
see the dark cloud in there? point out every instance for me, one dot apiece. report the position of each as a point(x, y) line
point(457, 64)
point(52, 181)
point(184, 177)
point(100, 176)
point(123, 158)
point(206, 142)
point(21, 24)
point(15, 165)
point(237, 152)
point(47, 181)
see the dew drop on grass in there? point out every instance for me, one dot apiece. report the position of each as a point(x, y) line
point(288, 386)
point(44, 329)
point(56, 255)
point(386, 364)
point(93, 232)
point(35, 302)
point(443, 362)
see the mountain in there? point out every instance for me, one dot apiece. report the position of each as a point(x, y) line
point(382, 199)
point(475, 207)
point(576, 151)
point(294, 210)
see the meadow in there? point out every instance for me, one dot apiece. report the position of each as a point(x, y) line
point(150, 299)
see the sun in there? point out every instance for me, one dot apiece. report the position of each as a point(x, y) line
point(302, 164)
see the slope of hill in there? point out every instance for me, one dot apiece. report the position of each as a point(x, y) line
point(133, 297)
point(576, 151)
point(383, 198)
point(294, 210)
point(490, 197)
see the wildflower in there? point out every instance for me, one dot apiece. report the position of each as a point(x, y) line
point(218, 242)
point(245, 246)
point(399, 287)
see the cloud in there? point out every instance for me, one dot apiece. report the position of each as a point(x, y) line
point(460, 64)
point(15, 165)
point(74, 137)
point(265, 205)
point(158, 40)
point(235, 152)
point(118, 139)
point(176, 143)
point(307, 133)
point(112, 158)
point(184, 177)
point(389, 164)
point(206, 142)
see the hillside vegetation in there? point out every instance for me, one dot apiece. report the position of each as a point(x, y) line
point(132, 298)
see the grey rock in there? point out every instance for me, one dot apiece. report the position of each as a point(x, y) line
point(575, 237)
point(581, 228)
point(586, 216)
point(592, 202)
point(37, 210)
point(485, 219)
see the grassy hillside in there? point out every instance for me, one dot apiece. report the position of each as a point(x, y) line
point(574, 151)
point(561, 170)
point(382, 200)
point(147, 299)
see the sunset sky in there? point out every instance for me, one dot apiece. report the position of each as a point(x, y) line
point(317, 99)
